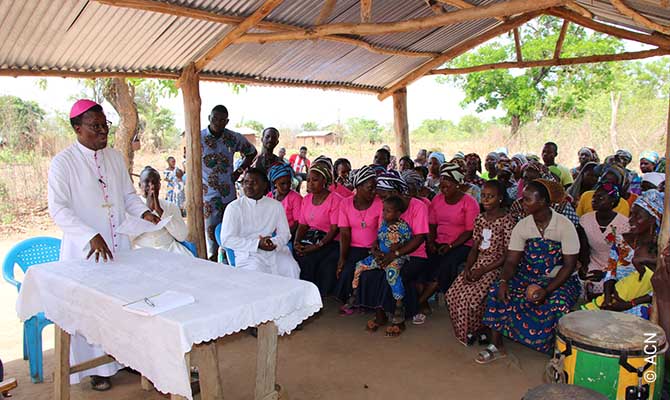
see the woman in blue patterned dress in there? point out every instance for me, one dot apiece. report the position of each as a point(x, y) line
point(538, 285)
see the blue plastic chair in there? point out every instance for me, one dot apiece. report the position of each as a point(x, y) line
point(38, 250)
point(190, 246)
point(230, 254)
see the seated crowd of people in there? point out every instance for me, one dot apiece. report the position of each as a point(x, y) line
point(512, 246)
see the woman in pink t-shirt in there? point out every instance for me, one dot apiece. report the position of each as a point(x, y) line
point(315, 246)
point(452, 220)
point(280, 179)
point(374, 291)
point(358, 222)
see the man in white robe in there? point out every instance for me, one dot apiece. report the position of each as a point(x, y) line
point(168, 237)
point(256, 229)
point(89, 194)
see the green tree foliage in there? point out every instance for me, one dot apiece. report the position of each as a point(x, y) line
point(536, 92)
point(310, 126)
point(255, 125)
point(20, 122)
point(439, 129)
point(365, 130)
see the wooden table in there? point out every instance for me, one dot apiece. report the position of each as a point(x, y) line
point(204, 356)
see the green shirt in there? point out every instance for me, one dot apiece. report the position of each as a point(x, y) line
point(564, 172)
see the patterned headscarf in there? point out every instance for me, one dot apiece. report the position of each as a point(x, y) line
point(438, 156)
point(391, 180)
point(616, 170)
point(324, 171)
point(363, 174)
point(474, 156)
point(652, 202)
point(541, 169)
point(460, 161)
point(660, 167)
point(495, 156)
point(279, 170)
point(593, 156)
point(459, 154)
point(650, 156)
point(327, 161)
point(624, 155)
point(522, 159)
point(613, 190)
point(453, 171)
point(555, 190)
point(413, 179)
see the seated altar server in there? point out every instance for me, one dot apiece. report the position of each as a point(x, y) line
point(89, 194)
point(256, 229)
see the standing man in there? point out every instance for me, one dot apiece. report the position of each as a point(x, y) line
point(549, 153)
point(300, 164)
point(267, 158)
point(282, 155)
point(219, 175)
point(89, 194)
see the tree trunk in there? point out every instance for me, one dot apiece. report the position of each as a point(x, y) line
point(615, 98)
point(515, 125)
point(121, 95)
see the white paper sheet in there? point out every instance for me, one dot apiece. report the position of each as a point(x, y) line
point(166, 301)
point(133, 226)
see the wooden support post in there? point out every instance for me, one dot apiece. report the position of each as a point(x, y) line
point(190, 87)
point(400, 124)
point(664, 236)
point(62, 370)
point(517, 45)
point(561, 38)
point(266, 362)
point(205, 357)
point(366, 11)
point(326, 11)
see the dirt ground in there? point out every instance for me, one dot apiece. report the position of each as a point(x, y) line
point(331, 358)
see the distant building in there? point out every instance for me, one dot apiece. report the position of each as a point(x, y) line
point(316, 138)
point(248, 134)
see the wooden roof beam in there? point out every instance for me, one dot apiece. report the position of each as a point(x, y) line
point(572, 5)
point(435, 6)
point(462, 5)
point(561, 38)
point(658, 40)
point(188, 12)
point(366, 11)
point(456, 51)
point(517, 45)
point(639, 18)
point(636, 55)
point(239, 30)
point(326, 11)
point(510, 7)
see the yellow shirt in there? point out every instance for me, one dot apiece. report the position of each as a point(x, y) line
point(585, 205)
point(629, 288)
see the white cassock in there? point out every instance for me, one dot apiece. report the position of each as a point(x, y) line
point(90, 193)
point(244, 221)
point(167, 238)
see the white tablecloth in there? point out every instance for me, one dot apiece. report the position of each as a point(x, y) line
point(85, 297)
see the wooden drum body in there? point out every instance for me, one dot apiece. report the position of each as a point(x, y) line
point(616, 354)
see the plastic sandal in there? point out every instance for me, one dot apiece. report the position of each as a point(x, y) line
point(489, 354)
point(419, 319)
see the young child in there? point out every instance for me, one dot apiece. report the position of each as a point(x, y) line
point(392, 235)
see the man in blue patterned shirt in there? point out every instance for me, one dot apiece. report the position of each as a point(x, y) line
point(219, 146)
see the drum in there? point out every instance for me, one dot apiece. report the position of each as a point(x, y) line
point(616, 354)
point(559, 391)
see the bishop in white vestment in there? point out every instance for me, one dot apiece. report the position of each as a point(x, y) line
point(89, 194)
point(256, 229)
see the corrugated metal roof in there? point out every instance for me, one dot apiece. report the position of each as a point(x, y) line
point(84, 36)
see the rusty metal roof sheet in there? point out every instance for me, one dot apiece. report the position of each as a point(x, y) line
point(84, 36)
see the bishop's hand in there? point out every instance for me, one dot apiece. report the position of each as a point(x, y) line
point(100, 249)
point(151, 217)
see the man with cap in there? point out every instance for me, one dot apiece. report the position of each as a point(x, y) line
point(219, 173)
point(89, 195)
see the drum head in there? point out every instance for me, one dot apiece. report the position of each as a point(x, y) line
point(553, 391)
point(611, 330)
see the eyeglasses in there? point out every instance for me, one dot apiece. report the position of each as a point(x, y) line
point(99, 127)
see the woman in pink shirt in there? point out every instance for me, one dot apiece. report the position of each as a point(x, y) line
point(452, 220)
point(280, 189)
point(315, 245)
point(358, 222)
point(374, 291)
point(342, 184)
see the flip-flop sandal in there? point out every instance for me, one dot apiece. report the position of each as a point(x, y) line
point(419, 319)
point(345, 310)
point(483, 339)
point(100, 383)
point(395, 330)
point(469, 340)
point(373, 325)
point(489, 354)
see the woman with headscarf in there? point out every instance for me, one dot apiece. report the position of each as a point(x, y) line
point(586, 155)
point(415, 183)
point(473, 166)
point(518, 161)
point(435, 160)
point(506, 176)
point(280, 177)
point(623, 158)
point(490, 166)
point(648, 161)
point(452, 219)
point(595, 247)
point(584, 181)
point(374, 290)
point(358, 221)
point(613, 174)
point(537, 286)
point(315, 244)
point(628, 285)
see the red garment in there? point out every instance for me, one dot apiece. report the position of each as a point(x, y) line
point(297, 163)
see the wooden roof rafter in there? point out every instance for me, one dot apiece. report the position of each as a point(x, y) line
point(639, 18)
